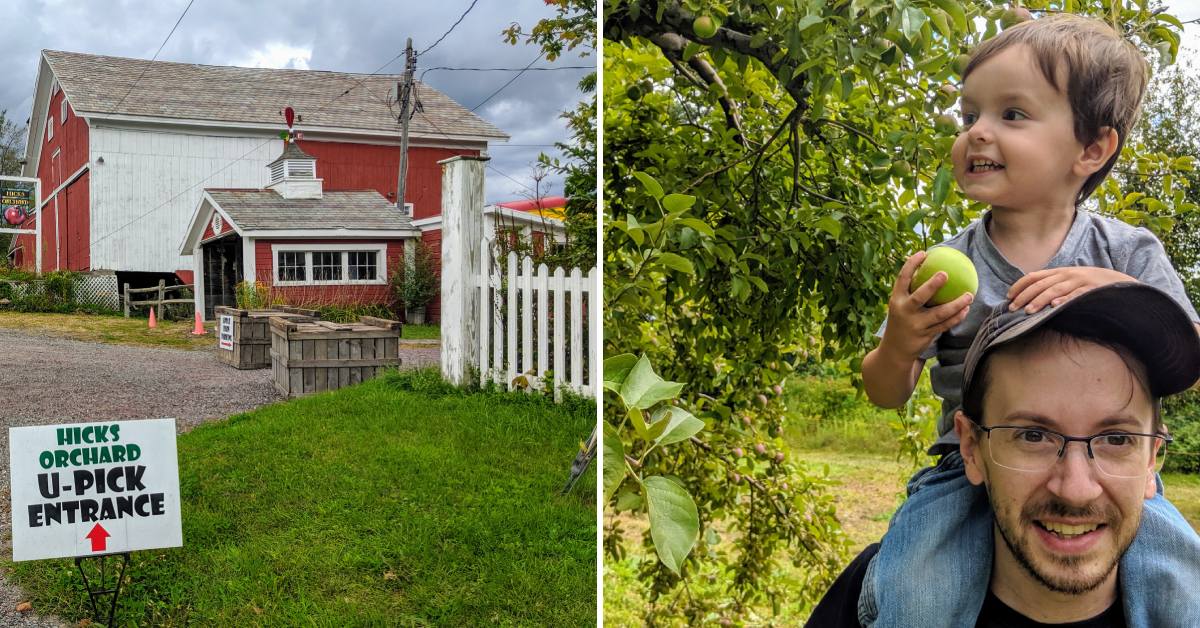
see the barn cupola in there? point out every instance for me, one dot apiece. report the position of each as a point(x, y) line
point(294, 173)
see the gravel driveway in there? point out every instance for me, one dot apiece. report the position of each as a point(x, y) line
point(50, 380)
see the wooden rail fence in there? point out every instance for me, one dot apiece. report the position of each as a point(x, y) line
point(160, 299)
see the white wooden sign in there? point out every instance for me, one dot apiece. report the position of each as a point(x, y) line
point(226, 333)
point(87, 489)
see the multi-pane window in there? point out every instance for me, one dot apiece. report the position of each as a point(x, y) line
point(292, 266)
point(63, 110)
point(362, 265)
point(50, 129)
point(327, 265)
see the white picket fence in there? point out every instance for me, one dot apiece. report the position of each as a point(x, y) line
point(536, 325)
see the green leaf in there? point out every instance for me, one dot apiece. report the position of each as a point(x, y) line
point(911, 21)
point(1187, 163)
point(678, 202)
point(808, 21)
point(698, 225)
point(680, 425)
point(674, 522)
point(954, 9)
point(616, 369)
point(690, 49)
point(643, 387)
point(639, 423)
point(648, 182)
point(676, 262)
point(831, 225)
point(628, 500)
point(941, 187)
point(614, 461)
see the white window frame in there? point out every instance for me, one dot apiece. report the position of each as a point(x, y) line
point(50, 128)
point(62, 105)
point(379, 248)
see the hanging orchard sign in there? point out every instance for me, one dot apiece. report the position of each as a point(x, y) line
point(89, 489)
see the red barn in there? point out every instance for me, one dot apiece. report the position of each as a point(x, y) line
point(125, 149)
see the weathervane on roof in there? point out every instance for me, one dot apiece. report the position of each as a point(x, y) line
point(290, 135)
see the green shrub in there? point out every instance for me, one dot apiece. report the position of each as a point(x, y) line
point(416, 281)
point(52, 292)
point(252, 295)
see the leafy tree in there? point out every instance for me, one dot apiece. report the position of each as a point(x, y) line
point(1170, 125)
point(12, 146)
point(768, 166)
point(573, 27)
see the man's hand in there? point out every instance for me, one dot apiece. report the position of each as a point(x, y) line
point(1055, 286)
point(911, 326)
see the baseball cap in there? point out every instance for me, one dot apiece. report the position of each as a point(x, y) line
point(1141, 318)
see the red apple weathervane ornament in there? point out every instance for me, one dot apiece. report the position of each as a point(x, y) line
point(290, 135)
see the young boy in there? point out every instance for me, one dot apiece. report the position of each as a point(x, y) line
point(1046, 107)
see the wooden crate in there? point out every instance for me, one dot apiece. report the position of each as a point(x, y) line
point(252, 334)
point(314, 356)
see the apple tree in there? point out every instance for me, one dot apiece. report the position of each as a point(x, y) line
point(767, 166)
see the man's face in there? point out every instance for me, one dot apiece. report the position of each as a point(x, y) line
point(1068, 526)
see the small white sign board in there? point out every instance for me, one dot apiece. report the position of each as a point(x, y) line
point(86, 489)
point(226, 333)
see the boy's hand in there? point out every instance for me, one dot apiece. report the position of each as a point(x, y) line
point(1055, 286)
point(912, 326)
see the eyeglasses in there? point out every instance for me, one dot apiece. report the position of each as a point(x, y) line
point(1117, 454)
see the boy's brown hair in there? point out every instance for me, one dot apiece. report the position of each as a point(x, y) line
point(1106, 75)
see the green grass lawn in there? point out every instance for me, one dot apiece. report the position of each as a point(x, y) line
point(396, 502)
point(421, 332)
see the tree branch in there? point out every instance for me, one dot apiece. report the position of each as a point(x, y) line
point(672, 45)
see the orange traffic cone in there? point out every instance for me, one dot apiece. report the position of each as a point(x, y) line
point(153, 321)
point(198, 330)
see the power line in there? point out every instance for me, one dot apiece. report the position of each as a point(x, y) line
point(494, 169)
point(526, 69)
point(139, 78)
point(510, 81)
point(497, 170)
point(460, 19)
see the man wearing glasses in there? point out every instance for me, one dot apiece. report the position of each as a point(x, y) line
point(1061, 430)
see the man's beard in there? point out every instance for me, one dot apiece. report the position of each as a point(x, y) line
point(1069, 578)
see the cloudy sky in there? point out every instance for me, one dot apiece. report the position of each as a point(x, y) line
point(346, 36)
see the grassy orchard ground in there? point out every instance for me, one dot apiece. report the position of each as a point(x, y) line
point(830, 427)
point(134, 331)
point(397, 502)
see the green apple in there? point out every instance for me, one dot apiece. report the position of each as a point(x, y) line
point(947, 95)
point(946, 124)
point(704, 27)
point(960, 63)
point(960, 274)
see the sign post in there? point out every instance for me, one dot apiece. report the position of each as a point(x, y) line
point(92, 490)
point(24, 195)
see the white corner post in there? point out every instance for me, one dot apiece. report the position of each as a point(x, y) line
point(462, 231)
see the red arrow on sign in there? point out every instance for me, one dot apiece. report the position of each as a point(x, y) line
point(99, 537)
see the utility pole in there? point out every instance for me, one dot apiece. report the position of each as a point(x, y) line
point(404, 94)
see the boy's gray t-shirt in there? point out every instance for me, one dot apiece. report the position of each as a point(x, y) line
point(1093, 240)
